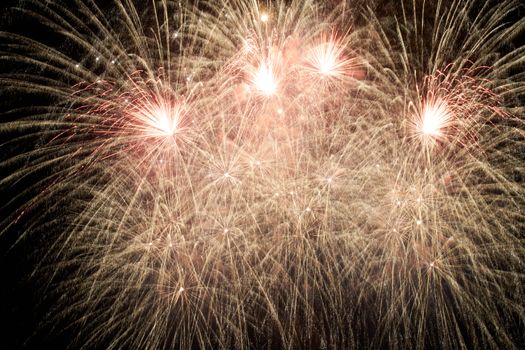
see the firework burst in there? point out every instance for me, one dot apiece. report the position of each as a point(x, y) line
point(223, 174)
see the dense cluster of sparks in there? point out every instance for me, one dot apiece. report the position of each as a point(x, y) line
point(289, 174)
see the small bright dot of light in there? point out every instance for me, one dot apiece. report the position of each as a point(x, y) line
point(264, 17)
point(418, 222)
point(181, 289)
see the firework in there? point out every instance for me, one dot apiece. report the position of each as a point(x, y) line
point(295, 175)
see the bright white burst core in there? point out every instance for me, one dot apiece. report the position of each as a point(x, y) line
point(163, 121)
point(326, 58)
point(436, 116)
point(166, 122)
point(264, 80)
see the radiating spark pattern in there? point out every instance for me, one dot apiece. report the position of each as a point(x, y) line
point(264, 80)
point(435, 118)
point(160, 120)
point(327, 59)
point(287, 174)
